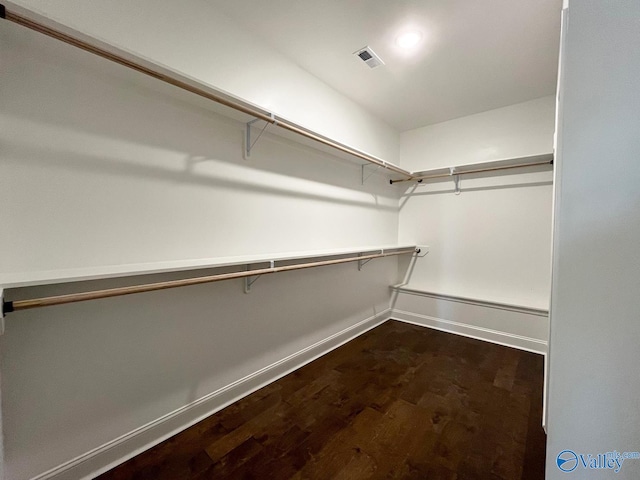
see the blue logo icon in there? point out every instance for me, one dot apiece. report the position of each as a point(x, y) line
point(567, 461)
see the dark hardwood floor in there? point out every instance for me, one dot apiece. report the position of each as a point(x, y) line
point(400, 401)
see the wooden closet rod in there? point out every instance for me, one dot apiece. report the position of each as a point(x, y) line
point(419, 178)
point(17, 305)
point(129, 60)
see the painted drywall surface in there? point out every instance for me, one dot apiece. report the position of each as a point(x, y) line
point(198, 40)
point(594, 389)
point(515, 131)
point(492, 242)
point(76, 377)
point(511, 327)
point(125, 175)
point(99, 167)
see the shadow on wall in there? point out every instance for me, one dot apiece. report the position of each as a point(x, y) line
point(78, 94)
point(28, 154)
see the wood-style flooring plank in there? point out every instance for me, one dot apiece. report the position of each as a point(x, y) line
point(400, 401)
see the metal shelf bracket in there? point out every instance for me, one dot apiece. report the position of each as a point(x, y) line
point(248, 142)
point(248, 281)
point(456, 180)
point(364, 176)
point(362, 263)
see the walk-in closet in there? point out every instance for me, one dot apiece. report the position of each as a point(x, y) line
point(320, 240)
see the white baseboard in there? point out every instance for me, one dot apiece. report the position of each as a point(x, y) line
point(512, 325)
point(480, 333)
point(111, 454)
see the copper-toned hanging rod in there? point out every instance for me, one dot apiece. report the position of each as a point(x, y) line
point(419, 178)
point(17, 305)
point(129, 60)
point(38, 27)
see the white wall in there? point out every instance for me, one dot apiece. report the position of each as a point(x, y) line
point(594, 387)
point(153, 167)
point(99, 166)
point(514, 131)
point(491, 242)
point(523, 328)
point(198, 40)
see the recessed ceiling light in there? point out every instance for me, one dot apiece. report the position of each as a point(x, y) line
point(408, 40)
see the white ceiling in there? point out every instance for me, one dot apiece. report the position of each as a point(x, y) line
point(476, 55)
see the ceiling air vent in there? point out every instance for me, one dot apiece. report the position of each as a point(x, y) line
point(369, 57)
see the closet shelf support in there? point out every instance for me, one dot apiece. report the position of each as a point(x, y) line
point(364, 176)
point(456, 180)
point(248, 281)
point(362, 263)
point(249, 143)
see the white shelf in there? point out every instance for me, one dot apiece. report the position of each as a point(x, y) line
point(49, 277)
point(529, 309)
point(503, 162)
point(177, 79)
